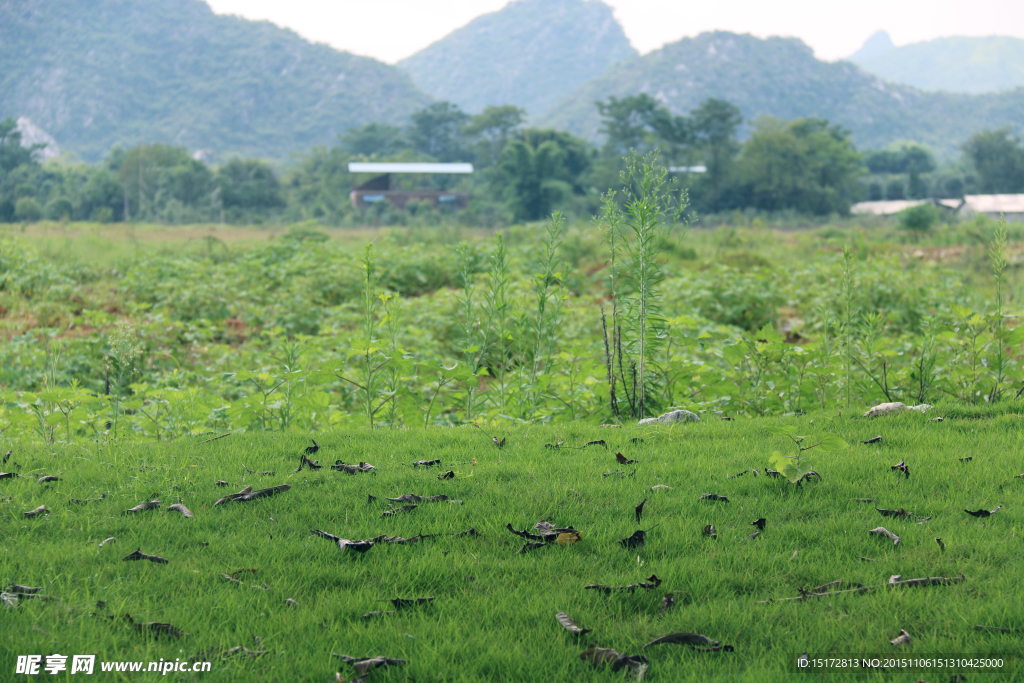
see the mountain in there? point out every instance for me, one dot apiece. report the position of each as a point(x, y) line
point(780, 77)
point(878, 43)
point(97, 73)
point(531, 54)
point(953, 64)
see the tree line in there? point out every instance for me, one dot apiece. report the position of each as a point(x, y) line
point(806, 165)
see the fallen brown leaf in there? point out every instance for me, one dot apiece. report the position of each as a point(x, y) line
point(714, 496)
point(902, 639)
point(694, 640)
point(984, 513)
point(882, 531)
point(139, 555)
point(710, 531)
point(570, 626)
point(178, 507)
point(402, 603)
point(41, 510)
point(142, 507)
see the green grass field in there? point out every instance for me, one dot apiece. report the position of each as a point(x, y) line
point(493, 617)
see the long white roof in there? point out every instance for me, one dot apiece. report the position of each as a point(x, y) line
point(995, 203)
point(368, 167)
point(885, 208)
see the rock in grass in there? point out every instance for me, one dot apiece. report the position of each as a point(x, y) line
point(672, 417)
point(895, 407)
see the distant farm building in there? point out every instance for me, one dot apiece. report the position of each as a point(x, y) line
point(383, 188)
point(886, 208)
point(1010, 206)
point(992, 205)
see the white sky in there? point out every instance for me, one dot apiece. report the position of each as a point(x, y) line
point(392, 29)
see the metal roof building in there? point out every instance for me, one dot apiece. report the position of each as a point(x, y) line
point(381, 189)
point(1011, 206)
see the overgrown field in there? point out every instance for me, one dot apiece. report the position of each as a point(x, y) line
point(492, 616)
point(156, 334)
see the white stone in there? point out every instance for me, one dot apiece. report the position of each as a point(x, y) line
point(669, 418)
point(895, 407)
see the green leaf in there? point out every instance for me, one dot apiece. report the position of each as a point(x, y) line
point(783, 430)
point(830, 442)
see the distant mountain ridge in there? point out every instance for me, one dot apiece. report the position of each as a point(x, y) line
point(780, 77)
point(951, 64)
point(530, 54)
point(104, 72)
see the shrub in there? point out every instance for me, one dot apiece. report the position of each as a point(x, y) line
point(59, 209)
point(27, 209)
point(920, 218)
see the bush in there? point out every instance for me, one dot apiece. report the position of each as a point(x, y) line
point(920, 218)
point(27, 209)
point(59, 209)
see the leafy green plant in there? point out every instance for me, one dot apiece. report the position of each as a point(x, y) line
point(635, 229)
point(797, 466)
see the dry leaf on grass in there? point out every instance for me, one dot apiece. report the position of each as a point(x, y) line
point(984, 513)
point(623, 460)
point(398, 511)
point(710, 531)
point(531, 545)
point(426, 463)
point(661, 487)
point(363, 665)
point(874, 439)
point(352, 469)
point(447, 475)
point(596, 442)
point(311, 464)
point(714, 496)
point(343, 543)
point(603, 656)
point(402, 603)
point(942, 546)
point(570, 626)
point(155, 628)
point(142, 507)
point(107, 540)
point(694, 640)
point(248, 494)
point(48, 477)
point(639, 510)
point(8, 475)
point(902, 639)
point(618, 474)
point(139, 555)
point(41, 510)
point(752, 536)
point(901, 466)
point(667, 602)
point(759, 523)
point(413, 498)
point(771, 473)
point(468, 532)
point(310, 450)
point(178, 507)
point(882, 531)
point(650, 583)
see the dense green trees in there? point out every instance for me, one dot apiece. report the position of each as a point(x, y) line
point(807, 165)
point(999, 160)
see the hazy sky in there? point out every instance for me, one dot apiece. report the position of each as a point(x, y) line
point(392, 29)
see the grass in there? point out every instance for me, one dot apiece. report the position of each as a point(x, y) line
point(493, 617)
